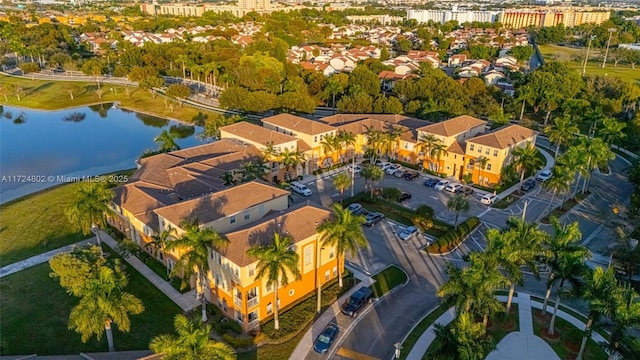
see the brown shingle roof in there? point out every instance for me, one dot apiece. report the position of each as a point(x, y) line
point(298, 124)
point(453, 126)
point(456, 148)
point(298, 223)
point(342, 119)
point(222, 203)
point(504, 137)
point(257, 134)
point(361, 126)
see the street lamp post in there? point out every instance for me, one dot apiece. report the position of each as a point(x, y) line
point(606, 52)
point(584, 65)
point(319, 281)
point(96, 230)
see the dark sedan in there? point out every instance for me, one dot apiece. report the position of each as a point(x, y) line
point(431, 182)
point(326, 338)
point(466, 190)
point(410, 175)
point(373, 218)
point(528, 185)
point(404, 196)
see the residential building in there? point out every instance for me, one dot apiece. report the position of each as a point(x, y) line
point(542, 17)
point(461, 16)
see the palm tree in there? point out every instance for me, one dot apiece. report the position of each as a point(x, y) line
point(194, 256)
point(392, 139)
point(526, 159)
point(481, 163)
point(341, 182)
point(375, 142)
point(437, 151)
point(575, 164)
point(87, 212)
point(329, 144)
point(191, 342)
point(597, 154)
point(275, 262)
point(371, 174)
point(166, 141)
point(526, 95)
point(569, 267)
point(183, 59)
point(158, 241)
point(425, 143)
point(348, 139)
point(290, 158)
point(253, 169)
point(562, 244)
point(598, 288)
point(458, 204)
point(560, 182)
point(625, 314)
point(463, 339)
point(344, 233)
point(270, 153)
point(562, 132)
point(103, 303)
point(612, 130)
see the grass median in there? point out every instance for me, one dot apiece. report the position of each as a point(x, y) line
point(387, 280)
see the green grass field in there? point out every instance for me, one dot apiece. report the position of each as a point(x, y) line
point(574, 56)
point(388, 279)
point(54, 95)
point(35, 314)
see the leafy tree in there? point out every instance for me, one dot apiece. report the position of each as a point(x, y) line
point(89, 209)
point(342, 182)
point(191, 342)
point(624, 312)
point(521, 53)
point(371, 174)
point(562, 132)
point(366, 80)
point(86, 274)
point(298, 101)
point(560, 182)
point(526, 159)
point(166, 141)
point(458, 204)
point(462, 340)
point(357, 103)
point(194, 246)
point(275, 262)
point(290, 158)
point(179, 92)
point(253, 169)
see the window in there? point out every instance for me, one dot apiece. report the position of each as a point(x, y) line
point(471, 147)
point(479, 149)
point(335, 271)
point(488, 166)
point(274, 167)
point(246, 215)
point(291, 292)
point(326, 275)
point(269, 287)
point(332, 253)
point(308, 258)
point(253, 316)
point(252, 270)
point(315, 139)
point(232, 219)
point(239, 316)
point(486, 152)
point(495, 152)
point(269, 308)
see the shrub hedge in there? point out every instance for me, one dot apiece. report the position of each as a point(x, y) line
point(453, 237)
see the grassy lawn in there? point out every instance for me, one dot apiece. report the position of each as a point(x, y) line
point(567, 344)
point(504, 323)
point(506, 202)
point(422, 326)
point(275, 351)
point(388, 279)
point(36, 223)
point(570, 55)
point(54, 95)
point(33, 303)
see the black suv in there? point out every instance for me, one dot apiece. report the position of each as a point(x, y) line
point(404, 196)
point(410, 175)
point(357, 301)
point(528, 184)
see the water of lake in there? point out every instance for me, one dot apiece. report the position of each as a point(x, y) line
point(41, 149)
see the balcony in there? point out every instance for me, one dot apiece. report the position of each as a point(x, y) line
point(253, 302)
point(237, 301)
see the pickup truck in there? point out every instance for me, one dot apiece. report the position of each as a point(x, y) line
point(357, 301)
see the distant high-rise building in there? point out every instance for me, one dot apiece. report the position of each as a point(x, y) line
point(461, 16)
point(570, 17)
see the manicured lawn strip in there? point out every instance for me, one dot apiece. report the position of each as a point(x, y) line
point(388, 279)
point(453, 237)
point(504, 323)
point(506, 202)
point(576, 315)
point(422, 326)
point(275, 351)
point(569, 335)
point(54, 95)
point(36, 224)
point(33, 303)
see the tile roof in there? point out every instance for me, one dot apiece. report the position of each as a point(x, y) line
point(505, 137)
point(220, 204)
point(298, 124)
point(453, 126)
point(298, 223)
point(361, 126)
point(341, 119)
point(257, 134)
point(456, 148)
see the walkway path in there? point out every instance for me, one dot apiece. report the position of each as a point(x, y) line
point(513, 345)
point(39, 259)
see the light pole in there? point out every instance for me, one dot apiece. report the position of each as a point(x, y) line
point(353, 169)
point(96, 230)
point(606, 52)
point(584, 65)
point(319, 282)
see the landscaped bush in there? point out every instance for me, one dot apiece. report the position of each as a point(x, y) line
point(424, 211)
point(391, 193)
point(453, 237)
point(225, 326)
point(238, 341)
point(408, 165)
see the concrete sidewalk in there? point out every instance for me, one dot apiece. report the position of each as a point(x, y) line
point(42, 258)
point(186, 302)
point(306, 343)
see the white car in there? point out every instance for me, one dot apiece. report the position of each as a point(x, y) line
point(399, 173)
point(544, 175)
point(408, 233)
point(384, 165)
point(488, 199)
point(441, 184)
point(452, 187)
point(392, 168)
point(356, 169)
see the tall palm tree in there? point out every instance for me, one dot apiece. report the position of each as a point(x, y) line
point(88, 211)
point(184, 60)
point(191, 342)
point(159, 241)
point(481, 163)
point(437, 152)
point(348, 139)
point(253, 169)
point(375, 142)
point(425, 143)
point(194, 256)
point(562, 132)
point(598, 289)
point(625, 315)
point(344, 233)
point(166, 141)
point(526, 159)
point(458, 204)
point(393, 139)
point(371, 174)
point(328, 145)
point(290, 158)
point(612, 131)
point(270, 153)
point(560, 182)
point(575, 163)
point(341, 182)
point(463, 339)
point(526, 95)
point(597, 154)
point(567, 267)
point(103, 303)
point(275, 262)
point(562, 244)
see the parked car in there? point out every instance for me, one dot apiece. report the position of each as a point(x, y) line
point(392, 168)
point(357, 301)
point(373, 218)
point(384, 165)
point(300, 188)
point(453, 187)
point(544, 175)
point(356, 169)
point(528, 185)
point(408, 233)
point(399, 173)
point(431, 182)
point(441, 184)
point(356, 209)
point(410, 175)
point(326, 338)
point(465, 190)
point(488, 199)
point(404, 196)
